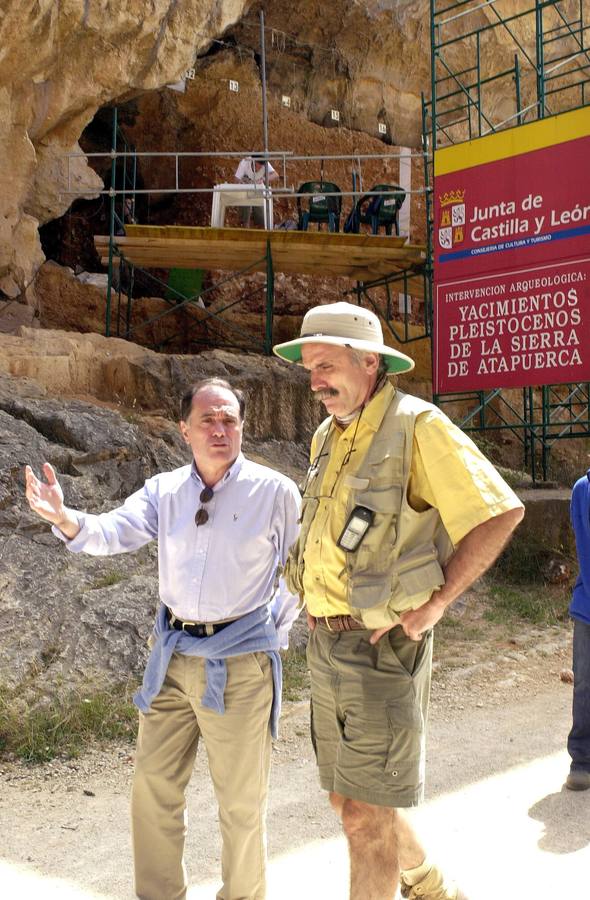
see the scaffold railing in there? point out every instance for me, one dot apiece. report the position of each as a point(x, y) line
point(539, 68)
point(213, 327)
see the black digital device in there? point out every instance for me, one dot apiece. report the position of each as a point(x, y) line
point(359, 522)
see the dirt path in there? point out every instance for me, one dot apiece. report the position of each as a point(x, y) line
point(495, 814)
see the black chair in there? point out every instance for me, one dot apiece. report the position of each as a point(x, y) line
point(324, 204)
point(379, 209)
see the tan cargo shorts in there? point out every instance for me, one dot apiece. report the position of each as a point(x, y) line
point(369, 705)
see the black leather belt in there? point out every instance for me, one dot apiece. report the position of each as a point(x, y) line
point(197, 629)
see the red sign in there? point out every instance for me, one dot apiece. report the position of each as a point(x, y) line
point(521, 327)
point(512, 264)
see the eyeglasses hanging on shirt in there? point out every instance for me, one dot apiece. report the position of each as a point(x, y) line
point(201, 515)
point(314, 467)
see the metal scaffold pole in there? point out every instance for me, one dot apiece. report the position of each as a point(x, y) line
point(270, 296)
point(113, 197)
point(264, 120)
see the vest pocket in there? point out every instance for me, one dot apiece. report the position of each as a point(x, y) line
point(375, 549)
point(385, 499)
point(366, 591)
point(419, 572)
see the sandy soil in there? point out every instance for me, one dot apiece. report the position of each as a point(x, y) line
point(496, 814)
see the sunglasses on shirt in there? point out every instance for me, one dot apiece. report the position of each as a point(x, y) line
point(201, 515)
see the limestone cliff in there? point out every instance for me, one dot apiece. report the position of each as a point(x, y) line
point(59, 63)
point(103, 412)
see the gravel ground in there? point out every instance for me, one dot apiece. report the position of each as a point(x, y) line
point(496, 763)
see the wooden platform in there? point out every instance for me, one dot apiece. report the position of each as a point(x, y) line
point(361, 257)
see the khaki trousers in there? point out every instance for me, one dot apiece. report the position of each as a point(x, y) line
point(238, 746)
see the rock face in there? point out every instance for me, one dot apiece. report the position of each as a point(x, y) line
point(59, 63)
point(70, 618)
point(67, 619)
point(103, 412)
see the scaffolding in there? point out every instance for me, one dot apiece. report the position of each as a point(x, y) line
point(125, 260)
point(380, 267)
point(481, 85)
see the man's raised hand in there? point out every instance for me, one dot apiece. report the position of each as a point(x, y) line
point(46, 498)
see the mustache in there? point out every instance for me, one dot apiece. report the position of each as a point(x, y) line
point(323, 395)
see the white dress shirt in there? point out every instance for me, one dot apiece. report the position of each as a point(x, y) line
point(222, 569)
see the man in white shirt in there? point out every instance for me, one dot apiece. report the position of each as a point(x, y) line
point(224, 525)
point(251, 171)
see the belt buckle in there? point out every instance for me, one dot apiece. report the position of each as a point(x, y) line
point(190, 625)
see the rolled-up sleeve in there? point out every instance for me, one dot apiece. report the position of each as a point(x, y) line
point(451, 474)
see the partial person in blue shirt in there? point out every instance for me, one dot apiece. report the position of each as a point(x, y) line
point(578, 743)
point(224, 526)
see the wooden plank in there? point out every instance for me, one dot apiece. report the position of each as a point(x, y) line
point(358, 273)
point(320, 254)
point(214, 261)
point(157, 258)
point(175, 245)
point(290, 239)
point(257, 235)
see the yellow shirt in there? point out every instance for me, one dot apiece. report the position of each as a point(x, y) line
point(447, 472)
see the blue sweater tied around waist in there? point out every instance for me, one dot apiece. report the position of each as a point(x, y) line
point(252, 633)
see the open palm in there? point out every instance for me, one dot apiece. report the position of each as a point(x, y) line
point(45, 497)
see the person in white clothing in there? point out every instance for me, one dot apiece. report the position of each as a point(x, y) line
point(224, 526)
point(251, 171)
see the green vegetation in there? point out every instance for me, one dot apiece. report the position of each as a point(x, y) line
point(107, 580)
point(455, 629)
point(295, 675)
point(515, 477)
point(65, 726)
point(525, 562)
point(540, 605)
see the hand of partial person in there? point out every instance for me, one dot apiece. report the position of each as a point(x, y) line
point(310, 620)
point(45, 497)
point(416, 621)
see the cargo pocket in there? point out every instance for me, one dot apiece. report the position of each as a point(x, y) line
point(405, 760)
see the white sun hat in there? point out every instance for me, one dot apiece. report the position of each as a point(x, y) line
point(345, 325)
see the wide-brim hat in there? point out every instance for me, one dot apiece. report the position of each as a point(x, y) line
point(344, 325)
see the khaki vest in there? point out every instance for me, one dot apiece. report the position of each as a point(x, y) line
point(398, 563)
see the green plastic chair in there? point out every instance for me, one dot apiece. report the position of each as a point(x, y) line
point(381, 210)
point(323, 205)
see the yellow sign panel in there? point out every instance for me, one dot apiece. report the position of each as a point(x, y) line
point(514, 141)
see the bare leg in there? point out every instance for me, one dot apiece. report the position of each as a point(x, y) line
point(380, 840)
point(411, 852)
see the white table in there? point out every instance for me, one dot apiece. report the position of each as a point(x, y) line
point(225, 195)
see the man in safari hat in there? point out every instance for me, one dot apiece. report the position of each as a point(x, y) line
point(401, 513)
